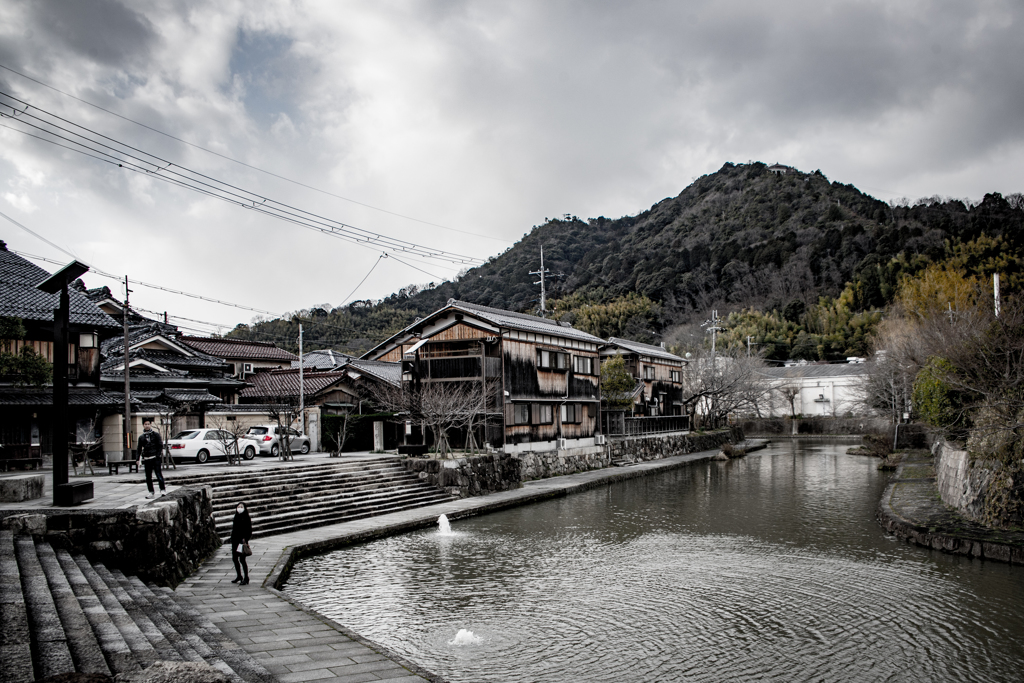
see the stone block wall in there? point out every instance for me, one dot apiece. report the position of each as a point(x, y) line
point(162, 542)
point(544, 464)
point(641, 448)
point(962, 484)
point(473, 476)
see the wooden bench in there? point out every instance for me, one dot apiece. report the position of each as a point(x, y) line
point(113, 465)
point(19, 455)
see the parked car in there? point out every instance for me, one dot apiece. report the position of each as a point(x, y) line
point(202, 444)
point(270, 441)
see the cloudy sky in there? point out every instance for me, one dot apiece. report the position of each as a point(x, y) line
point(457, 126)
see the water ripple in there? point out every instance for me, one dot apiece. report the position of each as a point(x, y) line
point(769, 568)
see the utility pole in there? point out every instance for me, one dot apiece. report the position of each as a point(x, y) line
point(302, 389)
point(127, 452)
point(713, 328)
point(542, 272)
point(995, 290)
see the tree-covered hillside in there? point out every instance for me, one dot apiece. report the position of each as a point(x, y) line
point(806, 255)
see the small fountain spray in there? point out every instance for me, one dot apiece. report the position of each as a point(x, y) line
point(443, 526)
point(465, 637)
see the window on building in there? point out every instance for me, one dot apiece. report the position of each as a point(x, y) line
point(543, 414)
point(648, 372)
point(552, 360)
point(572, 413)
point(521, 413)
point(675, 375)
point(583, 365)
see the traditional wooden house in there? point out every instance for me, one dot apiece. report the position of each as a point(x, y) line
point(243, 356)
point(26, 403)
point(541, 377)
point(658, 374)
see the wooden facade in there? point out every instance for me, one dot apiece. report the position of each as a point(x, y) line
point(660, 371)
point(542, 377)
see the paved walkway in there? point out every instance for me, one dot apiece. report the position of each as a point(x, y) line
point(911, 509)
point(298, 644)
point(123, 490)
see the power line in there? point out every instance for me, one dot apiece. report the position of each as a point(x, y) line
point(255, 168)
point(169, 171)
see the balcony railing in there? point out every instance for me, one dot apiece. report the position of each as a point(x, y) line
point(646, 426)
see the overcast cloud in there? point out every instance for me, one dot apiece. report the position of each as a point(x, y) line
point(481, 116)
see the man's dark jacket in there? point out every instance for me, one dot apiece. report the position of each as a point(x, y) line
point(150, 445)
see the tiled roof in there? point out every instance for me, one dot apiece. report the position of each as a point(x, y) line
point(241, 349)
point(190, 396)
point(324, 359)
point(644, 349)
point(137, 333)
point(383, 370)
point(20, 298)
point(280, 383)
point(817, 370)
point(524, 322)
point(26, 396)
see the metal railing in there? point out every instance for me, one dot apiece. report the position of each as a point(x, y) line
point(645, 426)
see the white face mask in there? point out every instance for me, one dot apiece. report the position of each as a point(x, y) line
point(240, 509)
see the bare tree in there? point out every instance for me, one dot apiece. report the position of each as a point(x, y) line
point(715, 386)
point(284, 415)
point(442, 406)
point(789, 394)
point(227, 435)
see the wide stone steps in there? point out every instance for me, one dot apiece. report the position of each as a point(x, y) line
point(303, 497)
point(231, 495)
point(223, 478)
point(60, 613)
point(311, 518)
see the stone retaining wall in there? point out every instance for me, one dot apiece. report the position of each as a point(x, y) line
point(641, 448)
point(472, 476)
point(482, 474)
point(162, 542)
point(962, 484)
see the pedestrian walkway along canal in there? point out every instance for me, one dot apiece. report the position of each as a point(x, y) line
point(770, 567)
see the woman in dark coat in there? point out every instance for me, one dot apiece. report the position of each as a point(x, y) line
point(241, 532)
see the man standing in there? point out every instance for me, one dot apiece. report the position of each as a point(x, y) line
point(151, 447)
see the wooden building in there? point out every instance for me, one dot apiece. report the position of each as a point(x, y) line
point(26, 405)
point(541, 377)
point(658, 374)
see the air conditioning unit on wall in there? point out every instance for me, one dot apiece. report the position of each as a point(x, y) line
point(563, 443)
point(600, 439)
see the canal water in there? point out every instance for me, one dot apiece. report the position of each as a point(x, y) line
point(770, 567)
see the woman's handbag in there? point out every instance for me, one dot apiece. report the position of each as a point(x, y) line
point(246, 550)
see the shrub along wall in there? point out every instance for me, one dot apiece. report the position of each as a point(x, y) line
point(162, 542)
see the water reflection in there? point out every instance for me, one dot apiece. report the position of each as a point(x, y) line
point(770, 567)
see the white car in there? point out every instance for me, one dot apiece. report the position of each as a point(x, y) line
point(202, 444)
point(269, 441)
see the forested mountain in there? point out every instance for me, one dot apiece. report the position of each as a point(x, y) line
point(782, 255)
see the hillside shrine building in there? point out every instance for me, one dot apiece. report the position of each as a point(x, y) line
point(541, 377)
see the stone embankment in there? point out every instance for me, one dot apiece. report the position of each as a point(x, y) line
point(911, 509)
point(490, 473)
point(60, 613)
point(162, 542)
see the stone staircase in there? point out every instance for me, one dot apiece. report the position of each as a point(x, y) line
point(60, 613)
point(298, 497)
